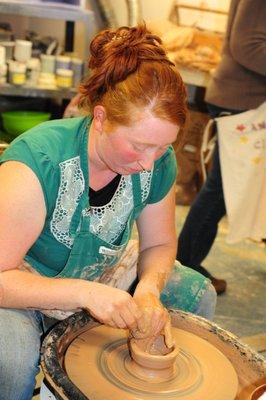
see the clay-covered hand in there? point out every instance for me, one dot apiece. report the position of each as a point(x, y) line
point(113, 307)
point(155, 321)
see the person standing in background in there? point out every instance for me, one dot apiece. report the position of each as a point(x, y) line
point(238, 84)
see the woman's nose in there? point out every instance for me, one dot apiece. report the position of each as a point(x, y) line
point(147, 160)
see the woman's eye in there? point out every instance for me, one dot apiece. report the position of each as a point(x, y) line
point(138, 148)
point(141, 148)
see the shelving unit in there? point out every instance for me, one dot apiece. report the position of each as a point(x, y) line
point(70, 15)
point(24, 91)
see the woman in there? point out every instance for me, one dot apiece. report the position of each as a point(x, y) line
point(70, 191)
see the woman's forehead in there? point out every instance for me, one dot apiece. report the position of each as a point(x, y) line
point(149, 130)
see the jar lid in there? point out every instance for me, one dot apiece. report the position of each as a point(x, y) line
point(7, 44)
point(24, 42)
point(64, 72)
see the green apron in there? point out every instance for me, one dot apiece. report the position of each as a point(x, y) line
point(90, 255)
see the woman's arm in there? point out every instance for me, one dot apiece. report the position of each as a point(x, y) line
point(248, 35)
point(156, 227)
point(157, 235)
point(22, 212)
point(22, 217)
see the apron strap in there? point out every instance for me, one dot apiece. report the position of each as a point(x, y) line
point(83, 204)
point(136, 188)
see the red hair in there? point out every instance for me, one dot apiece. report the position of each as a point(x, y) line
point(130, 71)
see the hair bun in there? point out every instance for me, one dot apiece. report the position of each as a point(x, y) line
point(97, 47)
point(116, 54)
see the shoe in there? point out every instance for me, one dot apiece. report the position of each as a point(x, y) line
point(219, 284)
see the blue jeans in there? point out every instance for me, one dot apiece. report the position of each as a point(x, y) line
point(200, 228)
point(21, 333)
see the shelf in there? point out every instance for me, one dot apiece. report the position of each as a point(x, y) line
point(70, 15)
point(24, 91)
point(49, 11)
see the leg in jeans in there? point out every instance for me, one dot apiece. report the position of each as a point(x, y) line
point(187, 290)
point(20, 339)
point(200, 228)
point(201, 225)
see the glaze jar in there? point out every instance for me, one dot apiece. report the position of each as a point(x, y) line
point(64, 78)
point(33, 71)
point(62, 62)
point(22, 51)
point(47, 81)
point(48, 63)
point(3, 73)
point(9, 46)
point(17, 73)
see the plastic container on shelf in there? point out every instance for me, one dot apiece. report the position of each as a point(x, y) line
point(33, 71)
point(9, 46)
point(16, 72)
point(62, 62)
point(22, 51)
point(3, 73)
point(64, 78)
point(47, 81)
point(48, 63)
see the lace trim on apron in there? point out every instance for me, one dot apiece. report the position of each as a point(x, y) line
point(107, 222)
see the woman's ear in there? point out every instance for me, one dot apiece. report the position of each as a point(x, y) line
point(99, 116)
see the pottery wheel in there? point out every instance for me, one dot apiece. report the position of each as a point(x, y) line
point(98, 363)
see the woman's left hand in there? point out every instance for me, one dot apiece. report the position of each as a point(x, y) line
point(155, 318)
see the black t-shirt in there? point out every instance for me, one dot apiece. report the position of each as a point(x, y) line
point(101, 197)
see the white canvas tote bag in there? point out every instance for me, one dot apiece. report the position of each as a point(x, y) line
point(242, 143)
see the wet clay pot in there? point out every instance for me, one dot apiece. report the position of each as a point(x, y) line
point(249, 366)
point(151, 367)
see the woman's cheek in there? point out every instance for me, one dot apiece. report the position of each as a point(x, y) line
point(129, 156)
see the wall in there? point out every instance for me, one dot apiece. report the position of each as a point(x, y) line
point(151, 10)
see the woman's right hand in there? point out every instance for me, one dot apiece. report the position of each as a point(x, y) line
point(111, 306)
